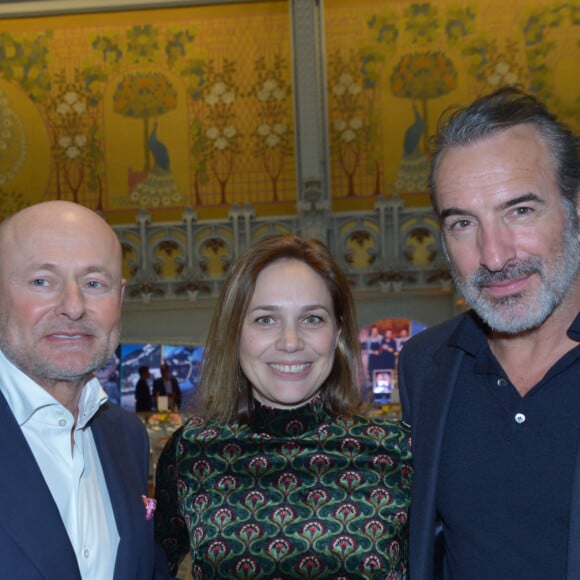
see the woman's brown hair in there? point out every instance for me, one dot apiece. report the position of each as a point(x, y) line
point(224, 391)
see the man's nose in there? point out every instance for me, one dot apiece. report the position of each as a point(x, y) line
point(72, 301)
point(496, 246)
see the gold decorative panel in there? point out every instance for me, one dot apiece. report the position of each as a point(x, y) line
point(157, 109)
point(395, 65)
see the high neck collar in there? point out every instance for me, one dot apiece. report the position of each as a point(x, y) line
point(289, 422)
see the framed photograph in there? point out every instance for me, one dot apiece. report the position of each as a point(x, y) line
point(382, 385)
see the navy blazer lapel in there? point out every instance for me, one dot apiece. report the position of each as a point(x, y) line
point(29, 514)
point(433, 407)
point(124, 487)
point(573, 567)
point(436, 399)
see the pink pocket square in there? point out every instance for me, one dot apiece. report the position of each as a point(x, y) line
point(150, 505)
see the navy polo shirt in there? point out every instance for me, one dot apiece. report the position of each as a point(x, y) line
point(506, 471)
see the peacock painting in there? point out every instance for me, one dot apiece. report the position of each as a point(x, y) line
point(413, 172)
point(155, 187)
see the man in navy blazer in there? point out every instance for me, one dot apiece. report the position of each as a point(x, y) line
point(74, 479)
point(493, 395)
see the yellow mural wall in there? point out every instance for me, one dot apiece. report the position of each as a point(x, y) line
point(156, 109)
point(394, 66)
point(193, 106)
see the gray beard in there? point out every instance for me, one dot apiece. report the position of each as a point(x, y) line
point(519, 313)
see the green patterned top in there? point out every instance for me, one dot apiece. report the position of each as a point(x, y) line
point(299, 494)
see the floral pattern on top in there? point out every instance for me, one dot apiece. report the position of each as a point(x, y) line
point(298, 494)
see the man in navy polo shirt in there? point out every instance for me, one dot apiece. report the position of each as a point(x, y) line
point(493, 396)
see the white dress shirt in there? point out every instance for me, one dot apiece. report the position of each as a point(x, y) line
point(73, 473)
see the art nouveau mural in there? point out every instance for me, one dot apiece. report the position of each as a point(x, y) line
point(194, 106)
point(149, 109)
point(394, 67)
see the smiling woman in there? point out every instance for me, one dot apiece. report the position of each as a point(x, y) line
point(289, 335)
point(282, 473)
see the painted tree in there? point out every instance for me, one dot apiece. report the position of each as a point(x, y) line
point(384, 34)
point(221, 134)
point(194, 73)
point(69, 107)
point(423, 76)
point(272, 136)
point(144, 96)
point(349, 126)
point(71, 127)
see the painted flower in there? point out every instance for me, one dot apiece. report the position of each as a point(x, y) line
point(70, 97)
point(280, 128)
point(73, 152)
point(354, 89)
point(228, 98)
point(212, 133)
point(511, 78)
point(218, 88)
point(269, 85)
point(221, 143)
point(346, 79)
point(212, 99)
point(356, 123)
point(63, 109)
point(348, 136)
point(272, 140)
point(230, 131)
point(79, 108)
point(502, 68)
point(502, 74)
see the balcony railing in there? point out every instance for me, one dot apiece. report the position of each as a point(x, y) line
point(390, 248)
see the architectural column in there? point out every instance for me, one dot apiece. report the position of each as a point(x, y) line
point(314, 198)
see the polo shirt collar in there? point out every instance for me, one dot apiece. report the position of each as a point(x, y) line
point(471, 333)
point(574, 330)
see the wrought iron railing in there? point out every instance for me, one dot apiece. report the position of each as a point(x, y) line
point(389, 248)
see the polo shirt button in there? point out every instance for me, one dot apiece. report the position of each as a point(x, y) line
point(62, 422)
point(520, 418)
point(86, 553)
point(501, 382)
